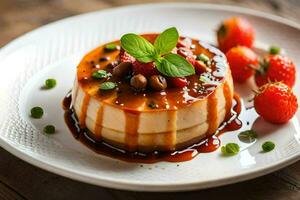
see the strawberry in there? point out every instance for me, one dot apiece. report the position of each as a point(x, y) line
point(184, 52)
point(146, 69)
point(125, 57)
point(241, 60)
point(233, 32)
point(199, 66)
point(178, 81)
point(276, 68)
point(275, 102)
point(184, 42)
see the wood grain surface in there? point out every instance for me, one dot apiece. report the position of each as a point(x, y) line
point(20, 180)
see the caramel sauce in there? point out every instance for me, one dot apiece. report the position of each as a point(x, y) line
point(84, 107)
point(232, 122)
point(99, 119)
point(206, 145)
point(228, 101)
point(131, 128)
point(212, 113)
point(128, 99)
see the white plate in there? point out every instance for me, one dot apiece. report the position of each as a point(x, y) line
point(55, 49)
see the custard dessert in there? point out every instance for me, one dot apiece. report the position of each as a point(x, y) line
point(152, 92)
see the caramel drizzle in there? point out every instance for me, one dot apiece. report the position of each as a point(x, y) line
point(212, 113)
point(84, 108)
point(131, 130)
point(98, 125)
point(228, 100)
point(170, 136)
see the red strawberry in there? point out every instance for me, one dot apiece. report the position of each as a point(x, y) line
point(275, 102)
point(184, 42)
point(125, 57)
point(184, 52)
point(178, 81)
point(240, 59)
point(276, 68)
point(146, 69)
point(199, 66)
point(233, 32)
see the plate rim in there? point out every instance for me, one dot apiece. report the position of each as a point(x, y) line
point(136, 185)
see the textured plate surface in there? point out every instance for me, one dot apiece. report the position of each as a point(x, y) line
point(54, 51)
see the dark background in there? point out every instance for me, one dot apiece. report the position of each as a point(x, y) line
point(19, 180)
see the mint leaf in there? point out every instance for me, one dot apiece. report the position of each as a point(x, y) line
point(111, 47)
point(138, 47)
point(99, 74)
point(166, 41)
point(247, 136)
point(107, 85)
point(174, 65)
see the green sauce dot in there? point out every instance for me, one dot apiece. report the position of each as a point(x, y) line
point(268, 146)
point(37, 112)
point(110, 47)
point(202, 57)
point(50, 83)
point(49, 129)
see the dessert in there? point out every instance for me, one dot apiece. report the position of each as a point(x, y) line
point(160, 97)
point(151, 103)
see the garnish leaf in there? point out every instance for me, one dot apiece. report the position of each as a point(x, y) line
point(268, 146)
point(138, 47)
point(99, 74)
point(50, 83)
point(37, 112)
point(49, 129)
point(230, 149)
point(166, 41)
point(202, 57)
point(174, 65)
point(107, 85)
point(247, 136)
point(111, 47)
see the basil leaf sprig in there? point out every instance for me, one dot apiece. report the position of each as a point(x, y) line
point(169, 64)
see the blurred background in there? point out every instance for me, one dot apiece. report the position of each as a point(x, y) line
point(20, 16)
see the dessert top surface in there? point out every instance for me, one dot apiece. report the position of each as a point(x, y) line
point(99, 74)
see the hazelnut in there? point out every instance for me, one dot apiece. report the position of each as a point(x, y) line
point(158, 82)
point(139, 82)
point(122, 69)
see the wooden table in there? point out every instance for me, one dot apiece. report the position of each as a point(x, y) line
point(20, 180)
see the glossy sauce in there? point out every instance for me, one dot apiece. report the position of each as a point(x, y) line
point(84, 107)
point(209, 144)
point(212, 111)
point(131, 128)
